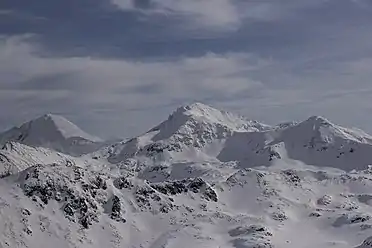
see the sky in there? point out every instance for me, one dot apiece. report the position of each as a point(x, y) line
point(116, 68)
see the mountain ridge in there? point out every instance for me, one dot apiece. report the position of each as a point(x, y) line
point(55, 132)
point(198, 132)
point(203, 178)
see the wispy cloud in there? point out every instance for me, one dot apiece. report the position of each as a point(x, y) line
point(93, 84)
point(120, 66)
point(213, 14)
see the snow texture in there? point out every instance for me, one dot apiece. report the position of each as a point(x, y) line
point(202, 178)
point(55, 132)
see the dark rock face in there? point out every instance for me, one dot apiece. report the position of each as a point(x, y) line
point(291, 177)
point(350, 219)
point(315, 214)
point(159, 147)
point(367, 243)
point(83, 194)
point(254, 236)
point(149, 199)
point(197, 186)
point(171, 188)
point(80, 195)
point(279, 216)
point(123, 183)
point(250, 230)
point(116, 209)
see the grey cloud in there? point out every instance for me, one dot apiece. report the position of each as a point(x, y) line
point(271, 60)
point(82, 84)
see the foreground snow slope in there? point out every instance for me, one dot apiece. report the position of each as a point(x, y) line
point(71, 206)
point(203, 178)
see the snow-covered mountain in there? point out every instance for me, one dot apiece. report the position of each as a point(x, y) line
point(54, 132)
point(189, 130)
point(203, 178)
point(198, 133)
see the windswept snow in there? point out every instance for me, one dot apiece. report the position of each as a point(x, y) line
point(197, 133)
point(203, 178)
point(55, 132)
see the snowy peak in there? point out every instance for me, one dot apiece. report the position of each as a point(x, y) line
point(57, 123)
point(51, 131)
point(205, 113)
point(321, 129)
point(318, 119)
point(199, 115)
point(48, 127)
point(191, 128)
point(198, 132)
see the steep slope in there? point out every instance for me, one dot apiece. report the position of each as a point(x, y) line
point(315, 141)
point(54, 132)
point(72, 206)
point(204, 178)
point(198, 133)
point(15, 157)
point(195, 130)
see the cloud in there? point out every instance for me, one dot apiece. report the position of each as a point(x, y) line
point(123, 97)
point(119, 69)
point(213, 14)
point(82, 84)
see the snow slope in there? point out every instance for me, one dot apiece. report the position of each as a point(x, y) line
point(198, 133)
point(55, 132)
point(71, 206)
point(195, 130)
point(204, 178)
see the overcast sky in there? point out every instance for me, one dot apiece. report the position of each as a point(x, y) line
point(118, 67)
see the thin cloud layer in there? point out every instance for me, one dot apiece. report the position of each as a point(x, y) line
point(93, 84)
point(213, 14)
point(117, 67)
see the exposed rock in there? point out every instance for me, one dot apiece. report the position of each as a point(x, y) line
point(324, 200)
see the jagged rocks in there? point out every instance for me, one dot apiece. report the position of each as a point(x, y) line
point(257, 230)
point(197, 186)
point(315, 214)
point(279, 216)
point(171, 188)
point(367, 243)
point(157, 197)
point(155, 148)
point(80, 193)
point(116, 209)
point(123, 183)
point(149, 199)
point(348, 219)
point(254, 236)
point(324, 200)
point(291, 177)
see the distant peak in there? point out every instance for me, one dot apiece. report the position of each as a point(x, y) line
point(50, 127)
point(197, 115)
point(202, 111)
point(196, 108)
point(51, 117)
point(319, 120)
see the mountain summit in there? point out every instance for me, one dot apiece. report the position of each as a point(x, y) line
point(189, 115)
point(198, 132)
point(52, 131)
point(203, 177)
point(191, 127)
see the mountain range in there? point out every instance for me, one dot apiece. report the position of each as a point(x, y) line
point(202, 178)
